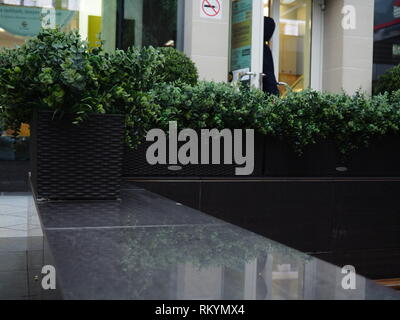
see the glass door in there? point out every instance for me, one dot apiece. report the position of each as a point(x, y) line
point(246, 54)
point(291, 44)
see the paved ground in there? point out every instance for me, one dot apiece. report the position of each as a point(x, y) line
point(13, 216)
point(16, 225)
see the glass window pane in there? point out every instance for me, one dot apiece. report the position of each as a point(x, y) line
point(149, 23)
point(21, 19)
point(295, 43)
point(386, 36)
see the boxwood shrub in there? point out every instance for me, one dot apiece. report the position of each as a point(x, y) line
point(178, 67)
point(210, 105)
point(389, 81)
point(124, 80)
point(309, 117)
point(51, 71)
point(57, 71)
point(299, 118)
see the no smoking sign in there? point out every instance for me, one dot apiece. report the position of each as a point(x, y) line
point(211, 9)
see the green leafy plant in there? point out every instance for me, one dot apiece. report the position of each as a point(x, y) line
point(56, 71)
point(210, 105)
point(178, 67)
point(389, 81)
point(51, 71)
point(309, 117)
point(124, 79)
point(364, 119)
point(299, 119)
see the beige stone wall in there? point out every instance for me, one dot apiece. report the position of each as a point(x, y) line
point(207, 41)
point(348, 54)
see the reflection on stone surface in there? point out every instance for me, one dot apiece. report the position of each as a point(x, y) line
point(167, 263)
point(203, 262)
point(147, 247)
point(163, 251)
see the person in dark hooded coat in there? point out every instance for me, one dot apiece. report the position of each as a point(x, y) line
point(269, 81)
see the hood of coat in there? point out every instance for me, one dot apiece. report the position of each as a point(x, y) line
point(269, 28)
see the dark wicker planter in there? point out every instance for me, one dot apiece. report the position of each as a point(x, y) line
point(319, 160)
point(275, 158)
point(380, 159)
point(135, 164)
point(71, 162)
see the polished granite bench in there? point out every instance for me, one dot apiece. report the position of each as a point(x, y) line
point(148, 247)
point(341, 220)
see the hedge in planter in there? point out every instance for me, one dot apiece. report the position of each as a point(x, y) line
point(54, 76)
point(322, 134)
point(307, 133)
point(207, 105)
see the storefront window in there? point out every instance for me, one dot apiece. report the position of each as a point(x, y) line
point(386, 36)
point(295, 43)
point(21, 19)
point(150, 22)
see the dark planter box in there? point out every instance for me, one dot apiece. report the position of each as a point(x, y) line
point(380, 159)
point(74, 162)
point(135, 164)
point(316, 161)
point(275, 158)
point(14, 176)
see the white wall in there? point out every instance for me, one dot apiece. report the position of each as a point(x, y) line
point(207, 41)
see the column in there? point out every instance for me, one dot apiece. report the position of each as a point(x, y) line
point(207, 40)
point(348, 53)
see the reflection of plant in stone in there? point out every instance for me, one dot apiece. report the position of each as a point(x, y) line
point(149, 252)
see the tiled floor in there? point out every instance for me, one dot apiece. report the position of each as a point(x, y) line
point(16, 226)
point(13, 216)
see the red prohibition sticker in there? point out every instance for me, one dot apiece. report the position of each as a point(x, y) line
point(211, 9)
